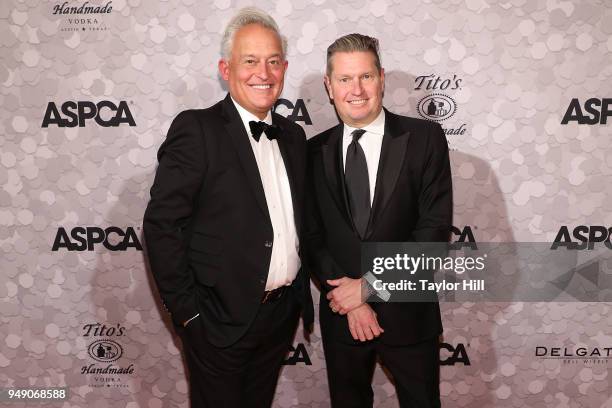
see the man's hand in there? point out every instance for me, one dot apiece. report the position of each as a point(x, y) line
point(363, 323)
point(346, 296)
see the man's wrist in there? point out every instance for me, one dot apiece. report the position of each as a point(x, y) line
point(367, 288)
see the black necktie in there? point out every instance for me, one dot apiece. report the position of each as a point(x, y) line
point(257, 128)
point(357, 183)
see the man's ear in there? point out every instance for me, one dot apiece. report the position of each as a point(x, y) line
point(382, 79)
point(328, 87)
point(224, 69)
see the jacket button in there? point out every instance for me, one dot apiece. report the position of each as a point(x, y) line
point(268, 244)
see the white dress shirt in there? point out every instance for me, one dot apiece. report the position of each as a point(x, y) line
point(285, 261)
point(371, 143)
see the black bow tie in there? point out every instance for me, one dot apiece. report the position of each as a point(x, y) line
point(257, 128)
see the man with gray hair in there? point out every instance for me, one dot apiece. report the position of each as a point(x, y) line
point(223, 227)
point(376, 177)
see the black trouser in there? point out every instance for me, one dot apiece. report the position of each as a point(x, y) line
point(415, 371)
point(244, 374)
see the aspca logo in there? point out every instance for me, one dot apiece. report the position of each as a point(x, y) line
point(295, 112)
point(596, 111)
point(85, 239)
point(437, 107)
point(463, 238)
point(583, 237)
point(105, 350)
point(451, 355)
point(73, 114)
point(298, 354)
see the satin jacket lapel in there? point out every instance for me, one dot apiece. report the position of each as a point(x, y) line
point(332, 163)
point(392, 157)
point(239, 138)
point(291, 159)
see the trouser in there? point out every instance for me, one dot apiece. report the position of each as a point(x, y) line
point(415, 371)
point(245, 374)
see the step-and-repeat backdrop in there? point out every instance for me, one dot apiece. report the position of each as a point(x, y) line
point(89, 89)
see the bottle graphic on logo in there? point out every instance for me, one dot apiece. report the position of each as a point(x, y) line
point(431, 107)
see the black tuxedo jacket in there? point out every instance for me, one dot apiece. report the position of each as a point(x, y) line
point(412, 202)
point(207, 227)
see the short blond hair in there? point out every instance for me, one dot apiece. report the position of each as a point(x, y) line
point(353, 43)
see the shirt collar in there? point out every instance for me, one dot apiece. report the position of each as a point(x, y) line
point(377, 126)
point(247, 116)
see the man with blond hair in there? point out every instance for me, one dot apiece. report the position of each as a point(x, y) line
point(375, 177)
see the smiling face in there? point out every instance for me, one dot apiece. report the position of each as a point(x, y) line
point(255, 71)
point(356, 87)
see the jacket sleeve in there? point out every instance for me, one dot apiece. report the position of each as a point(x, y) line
point(320, 262)
point(177, 183)
point(436, 197)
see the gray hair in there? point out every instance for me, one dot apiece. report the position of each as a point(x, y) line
point(244, 17)
point(353, 43)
